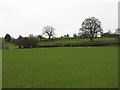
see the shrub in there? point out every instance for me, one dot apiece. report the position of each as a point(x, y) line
point(26, 42)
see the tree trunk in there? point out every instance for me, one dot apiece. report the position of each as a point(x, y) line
point(91, 39)
point(49, 37)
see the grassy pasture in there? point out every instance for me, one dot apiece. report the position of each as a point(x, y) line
point(77, 41)
point(64, 41)
point(8, 45)
point(63, 67)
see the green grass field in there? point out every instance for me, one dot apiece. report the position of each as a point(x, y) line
point(8, 45)
point(63, 67)
point(77, 41)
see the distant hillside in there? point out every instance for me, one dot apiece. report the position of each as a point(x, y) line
point(77, 41)
point(7, 45)
point(67, 42)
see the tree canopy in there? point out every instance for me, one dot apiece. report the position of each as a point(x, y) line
point(7, 38)
point(91, 27)
point(49, 31)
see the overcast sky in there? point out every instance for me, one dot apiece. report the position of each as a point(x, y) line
point(24, 17)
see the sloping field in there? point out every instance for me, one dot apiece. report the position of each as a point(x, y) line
point(7, 45)
point(77, 41)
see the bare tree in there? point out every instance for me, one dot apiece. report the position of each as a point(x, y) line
point(31, 36)
point(49, 31)
point(91, 27)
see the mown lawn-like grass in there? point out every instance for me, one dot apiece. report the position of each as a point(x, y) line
point(63, 67)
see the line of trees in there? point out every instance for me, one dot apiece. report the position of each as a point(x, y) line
point(90, 28)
